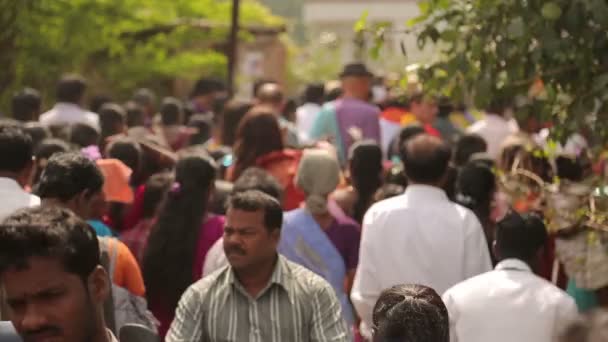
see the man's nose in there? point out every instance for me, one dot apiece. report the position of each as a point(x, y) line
point(33, 318)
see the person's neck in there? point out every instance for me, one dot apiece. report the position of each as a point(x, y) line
point(351, 96)
point(256, 279)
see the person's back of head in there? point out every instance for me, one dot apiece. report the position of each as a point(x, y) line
point(314, 93)
point(426, 160)
point(397, 145)
point(365, 166)
point(412, 313)
point(46, 150)
point(26, 105)
point(271, 94)
point(155, 191)
point(17, 150)
point(146, 99)
point(234, 112)
point(70, 89)
point(258, 84)
point(136, 117)
point(475, 188)
point(318, 175)
point(255, 178)
point(467, 146)
point(37, 131)
point(206, 87)
point(84, 135)
point(520, 236)
point(171, 112)
point(97, 101)
point(128, 151)
point(68, 175)
point(112, 119)
point(203, 124)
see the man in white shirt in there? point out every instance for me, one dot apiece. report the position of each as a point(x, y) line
point(16, 167)
point(511, 303)
point(68, 110)
point(495, 127)
point(419, 237)
point(307, 113)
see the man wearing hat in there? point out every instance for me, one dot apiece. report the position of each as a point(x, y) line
point(352, 117)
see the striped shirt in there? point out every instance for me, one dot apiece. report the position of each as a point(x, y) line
point(297, 305)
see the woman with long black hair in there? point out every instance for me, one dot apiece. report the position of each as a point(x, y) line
point(182, 236)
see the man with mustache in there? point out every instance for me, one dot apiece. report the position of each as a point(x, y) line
point(260, 296)
point(50, 269)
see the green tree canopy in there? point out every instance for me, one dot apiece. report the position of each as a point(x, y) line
point(118, 44)
point(549, 57)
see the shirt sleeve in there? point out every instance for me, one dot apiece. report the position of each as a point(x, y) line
point(188, 322)
point(452, 313)
point(477, 256)
point(127, 273)
point(327, 322)
point(366, 287)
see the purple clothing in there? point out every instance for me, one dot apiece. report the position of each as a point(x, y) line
point(211, 231)
point(354, 113)
point(346, 236)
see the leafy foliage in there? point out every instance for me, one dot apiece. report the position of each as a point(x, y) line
point(548, 55)
point(117, 44)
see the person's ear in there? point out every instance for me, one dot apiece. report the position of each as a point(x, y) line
point(99, 285)
point(275, 236)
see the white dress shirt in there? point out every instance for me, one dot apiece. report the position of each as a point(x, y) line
point(69, 113)
point(13, 197)
point(305, 118)
point(494, 129)
point(419, 237)
point(215, 259)
point(508, 304)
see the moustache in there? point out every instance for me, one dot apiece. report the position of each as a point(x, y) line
point(234, 250)
point(30, 335)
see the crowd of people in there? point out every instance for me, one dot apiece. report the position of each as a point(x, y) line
point(360, 214)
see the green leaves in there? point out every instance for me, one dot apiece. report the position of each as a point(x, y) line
point(361, 24)
point(551, 11)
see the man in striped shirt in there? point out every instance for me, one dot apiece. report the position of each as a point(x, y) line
point(261, 296)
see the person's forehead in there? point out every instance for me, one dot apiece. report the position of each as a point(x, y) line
point(238, 217)
point(38, 275)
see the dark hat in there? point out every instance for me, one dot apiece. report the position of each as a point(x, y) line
point(355, 70)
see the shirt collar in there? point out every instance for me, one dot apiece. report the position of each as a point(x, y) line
point(280, 276)
point(426, 192)
point(513, 264)
point(67, 105)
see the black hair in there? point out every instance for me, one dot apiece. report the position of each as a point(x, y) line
point(144, 97)
point(155, 190)
point(254, 200)
point(71, 88)
point(206, 86)
point(520, 236)
point(111, 117)
point(426, 159)
point(37, 131)
point(84, 135)
point(203, 123)
point(44, 151)
point(171, 249)
point(128, 151)
point(171, 111)
point(255, 178)
point(48, 232)
point(412, 313)
point(366, 174)
point(398, 142)
point(444, 107)
point(314, 93)
point(69, 174)
point(569, 168)
point(333, 94)
point(16, 148)
point(26, 104)
point(467, 146)
point(234, 112)
point(135, 114)
point(98, 101)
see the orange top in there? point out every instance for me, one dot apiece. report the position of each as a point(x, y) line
point(116, 175)
point(127, 273)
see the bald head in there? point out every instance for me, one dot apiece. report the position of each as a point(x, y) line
point(271, 94)
point(426, 159)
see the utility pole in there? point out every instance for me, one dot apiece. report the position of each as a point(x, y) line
point(233, 46)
